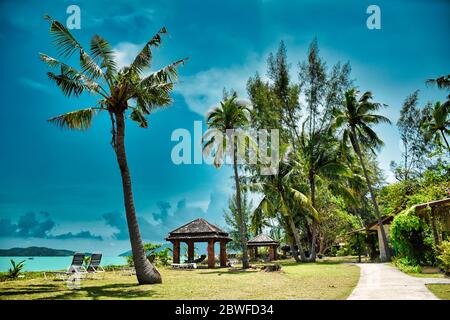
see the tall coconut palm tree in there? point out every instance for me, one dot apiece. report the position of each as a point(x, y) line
point(121, 92)
point(282, 198)
point(318, 160)
point(356, 118)
point(230, 115)
point(436, 124)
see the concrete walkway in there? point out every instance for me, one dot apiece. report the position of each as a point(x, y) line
point(381, 281)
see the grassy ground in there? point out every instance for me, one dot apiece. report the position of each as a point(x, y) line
point(442, 291)
point(322, 280)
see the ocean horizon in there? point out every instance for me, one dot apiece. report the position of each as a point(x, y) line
point(52, 263)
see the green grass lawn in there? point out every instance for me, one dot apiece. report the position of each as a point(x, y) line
point(322, 280)
point(442, 291)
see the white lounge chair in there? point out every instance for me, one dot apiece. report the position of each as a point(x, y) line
point(75, 268)
point(184, 265)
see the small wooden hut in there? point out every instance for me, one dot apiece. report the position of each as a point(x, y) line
point(199, 230)
point(263, 240)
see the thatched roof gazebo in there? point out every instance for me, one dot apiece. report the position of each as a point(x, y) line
point(263, 240)
point(199, 230)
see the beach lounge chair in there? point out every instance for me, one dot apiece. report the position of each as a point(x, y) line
point(128, 271)
point(94, 264)
point(75, 268)
point(184, 265)
point(200, 259)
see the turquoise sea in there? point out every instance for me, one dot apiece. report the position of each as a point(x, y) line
point(52, 263)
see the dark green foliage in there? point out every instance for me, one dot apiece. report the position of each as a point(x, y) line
point(233, 220)
point(414, 148)
point(155, 254)
point(444, 256)
point(412, 239)
point(15, 269)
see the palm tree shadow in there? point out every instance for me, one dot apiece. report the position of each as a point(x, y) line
point(112, 291)
point(29, 289)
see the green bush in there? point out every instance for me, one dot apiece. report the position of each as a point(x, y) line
point(407, 265)
point(444, 256)
point(412, 238)
point(158, 257)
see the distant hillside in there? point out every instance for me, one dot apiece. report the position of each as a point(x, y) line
point(125, 254)
point(35, 252)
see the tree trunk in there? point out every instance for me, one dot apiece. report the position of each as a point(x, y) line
point(314, 226)
point(293, 251)
point(146, 273)
point(242, 222)
point(445, 139)
point(357, 149)
point(297, 239)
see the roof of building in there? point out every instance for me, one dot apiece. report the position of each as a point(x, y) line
point(198, 230)
point(262, 240)
point(443, 204)
point(373, 225)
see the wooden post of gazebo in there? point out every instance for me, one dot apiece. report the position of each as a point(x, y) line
point(223, 253)
point(176, 251)
point(272, 253)
point(211, 257)
point(190, 251)
point(199, 230)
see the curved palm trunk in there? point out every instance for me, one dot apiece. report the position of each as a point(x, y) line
point(297, 240)
point(315, 226)
point(294, 252)
point(445, 139)
point(357, 149)
point(146, 273)
point(242, 222)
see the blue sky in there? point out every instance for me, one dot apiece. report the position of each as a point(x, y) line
point(62, 189)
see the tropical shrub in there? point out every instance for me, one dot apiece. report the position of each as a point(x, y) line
point(444, 257)
point(412, 239)
point(15, 270)
point(161, 257)
point(407, 265)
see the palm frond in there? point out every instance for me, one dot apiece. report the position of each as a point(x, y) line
point(138, 116)
point(303, 200)
point(70, 80)
point(67, 45)
point(144, 57)
point(167, 74)
point(100, 48)
point(78, 120)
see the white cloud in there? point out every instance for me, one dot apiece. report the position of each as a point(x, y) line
point(125, 52)
point(33, 84)
point(204, 90)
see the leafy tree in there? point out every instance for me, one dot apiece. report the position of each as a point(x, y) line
point(285, 93)
point(232, 219)
point(414, 148)
point(276, 103)
point(230, 115)
point(120, 91)
point(356, 119)
point(436, 124)
point(282, 199)
point(443, 82)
